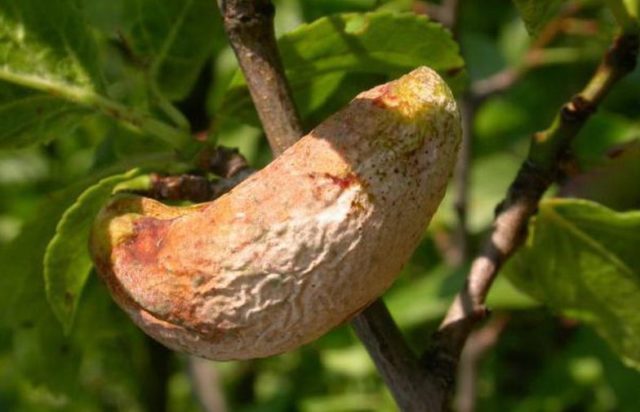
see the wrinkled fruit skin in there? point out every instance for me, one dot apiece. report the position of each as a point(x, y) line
point(299, 247)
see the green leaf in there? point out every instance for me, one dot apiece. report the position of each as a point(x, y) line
point(50, 42)
point(104, 356)
point(23, 306)
point(50, 46)
point(66, 261)
point(169, 40)
point(582, 259)
point(50, 76)
point(22, 284)
point(537, 13)
point(329, 60)
point(178, 36)
point(22, 292)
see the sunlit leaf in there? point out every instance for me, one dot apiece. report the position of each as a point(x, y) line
point(329, 60)
point(50, 74)
point(43, 47)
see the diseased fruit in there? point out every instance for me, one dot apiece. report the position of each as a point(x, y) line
point(299, 247)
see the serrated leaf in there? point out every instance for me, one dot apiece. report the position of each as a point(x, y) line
point(537, 13)
point(325, 58)
point(22, 292)
point(23, 306)
point(103, 340)
point(103, 343)
point(582, 259)
point(22, 296)
point(66, 261)
point(46, 44)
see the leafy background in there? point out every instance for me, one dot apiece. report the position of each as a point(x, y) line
point(90, 90)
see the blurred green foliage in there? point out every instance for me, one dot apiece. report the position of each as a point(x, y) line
point(169, 61)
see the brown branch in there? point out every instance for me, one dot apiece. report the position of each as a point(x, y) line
point(424, 385)
point(543, 165)
point(249, 25)
point(459, 250)
point(479, 91)
point(228, 164)
point(412, 386)
point(445, 13)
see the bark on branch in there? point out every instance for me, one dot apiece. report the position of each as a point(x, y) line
point(249, 25)
point(427, 383)
point(547, 153)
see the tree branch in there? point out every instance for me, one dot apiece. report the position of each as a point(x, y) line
point(412, 386)
point(543, 165)
point(424, 385)
point(249, 25)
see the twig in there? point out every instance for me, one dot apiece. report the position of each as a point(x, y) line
point(249, 25)
point(504, 79)
point(206, 385)
point(543, 165)
point(480, 91)
point(622, 14)
point(477, 346)
point(228, 164)
point(459, 249)
point(446, 13)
